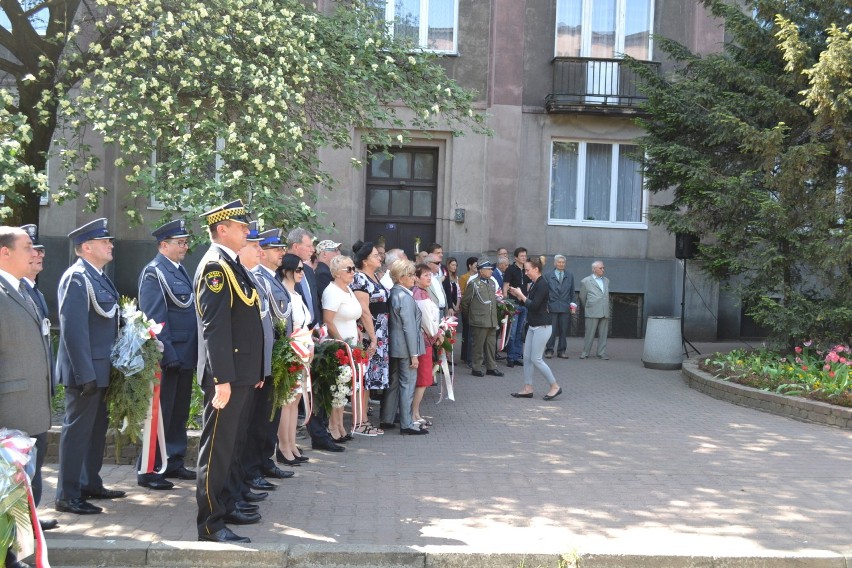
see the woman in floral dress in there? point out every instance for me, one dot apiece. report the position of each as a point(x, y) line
point(374, 319)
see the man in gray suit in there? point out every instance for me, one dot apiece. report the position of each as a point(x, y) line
point(594, 294)
point(560, 305)
point(24, 351)
point(88, 324)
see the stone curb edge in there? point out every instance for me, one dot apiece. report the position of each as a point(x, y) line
point(179, 554)
point(779, 404)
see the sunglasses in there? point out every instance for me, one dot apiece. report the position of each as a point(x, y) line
point(299, 269)
point(348, 269)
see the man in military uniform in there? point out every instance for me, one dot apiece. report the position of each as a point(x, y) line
point(88, 325)
point(166, 296)
point(24, 354)
point(479, 306)
point(277, 297)
point(230, 365)
point(29, 284)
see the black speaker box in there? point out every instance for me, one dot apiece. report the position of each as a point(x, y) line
point(686, 245)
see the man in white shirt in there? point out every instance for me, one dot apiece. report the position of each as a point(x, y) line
point(436, 289)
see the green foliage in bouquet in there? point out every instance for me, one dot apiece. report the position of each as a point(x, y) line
point(506, 308)
point(287, 369)
point(325, 372)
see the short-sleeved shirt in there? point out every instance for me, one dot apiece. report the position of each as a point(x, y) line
point(516, 278)
point(347, 310)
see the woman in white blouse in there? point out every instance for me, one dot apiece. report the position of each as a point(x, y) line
point(341, 311)
point(291, 273)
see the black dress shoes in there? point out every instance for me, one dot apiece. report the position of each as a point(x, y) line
point(236, 517)
point(103, 493)
point(77, 506)
point(494, 372)
point(522, 394)
point(224, 535)
point(48, 524)
point(154, 481)
point(277, 473)
point(477, 373)
point(510, 363)
point(554, 395)
point(260, 484)
point(302, 459)
point(181, 473)
point(245, 507)
point(327, 445)
point(281, 459)
point(255, 497)
point(413, 431)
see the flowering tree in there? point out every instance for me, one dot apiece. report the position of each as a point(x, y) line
point(758, 164)
point(15, 135)
point(236, 97)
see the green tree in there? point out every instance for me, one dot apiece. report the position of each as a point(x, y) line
point(237, 97)
point(756, 166)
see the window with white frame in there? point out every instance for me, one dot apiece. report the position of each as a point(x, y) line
point(429, 24)
point(596, 184)
point(604, 28)
point(212, 173)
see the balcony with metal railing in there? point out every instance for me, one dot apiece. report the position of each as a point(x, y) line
point(595, 86)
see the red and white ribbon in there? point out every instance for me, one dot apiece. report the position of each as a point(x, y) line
point(504, 328)
point(303, 345)
point(150, 441)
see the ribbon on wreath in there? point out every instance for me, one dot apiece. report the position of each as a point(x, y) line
point(356, 376)
point(154, 423)
point(447, 365)
point(302, 343)
point(16, 449)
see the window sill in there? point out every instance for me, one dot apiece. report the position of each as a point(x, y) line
point(597, 224)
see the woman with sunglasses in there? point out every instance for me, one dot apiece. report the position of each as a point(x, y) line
point(291, 272)
point(373, 298)
point(341, 311)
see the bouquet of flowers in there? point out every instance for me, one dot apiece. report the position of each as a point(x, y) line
point(18, 519)
point(135, 371)
point(448, 332)
point(332, 375)
point(506, 310)
point(444, 358)
point(288, 366)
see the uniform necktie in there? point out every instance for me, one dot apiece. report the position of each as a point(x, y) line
point(182, 270)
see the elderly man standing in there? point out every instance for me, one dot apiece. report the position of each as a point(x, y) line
point(479, 306)
point(165, 295)
point(594, 294)
point(88, 326)
point(561, 305)
point(391, 256)
point(230, 366)
point(436, 288)
point(326, 250)
point(25, 358)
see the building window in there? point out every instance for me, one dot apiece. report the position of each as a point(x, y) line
point(604, 29)
point(596, 184)
point(429, 24)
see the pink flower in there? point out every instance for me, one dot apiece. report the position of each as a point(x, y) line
point(826, 367)
point(831, 374)
point(798, 349)
point(832, 357)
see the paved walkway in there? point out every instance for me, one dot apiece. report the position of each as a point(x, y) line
point(627, 461)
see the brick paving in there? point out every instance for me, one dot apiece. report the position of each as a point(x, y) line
point(627, 461)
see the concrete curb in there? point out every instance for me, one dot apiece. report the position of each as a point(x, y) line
point(163, 554)
point(779, 404)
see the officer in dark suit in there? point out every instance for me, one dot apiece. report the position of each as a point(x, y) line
point(29, 282)
point(230, 365)
point(166, 296)
point(88, 324)
point(278, 300)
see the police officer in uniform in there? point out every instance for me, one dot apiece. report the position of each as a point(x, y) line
point(166, 296)
point(29, 284)
point(273, 248)
point(88, 325)
point(230, 365)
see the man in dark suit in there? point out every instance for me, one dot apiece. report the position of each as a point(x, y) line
point(301, 243)
point(560, 305)
point(36, 266)
point(24, 354)
point(230, 365)
point(166, 296)
point(88, 325)
point(326, 250)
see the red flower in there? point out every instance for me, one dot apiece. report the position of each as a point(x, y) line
point(798, 349)
point(831, 374)
point(804, 367)
point(452, 341)
point(340, 353)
